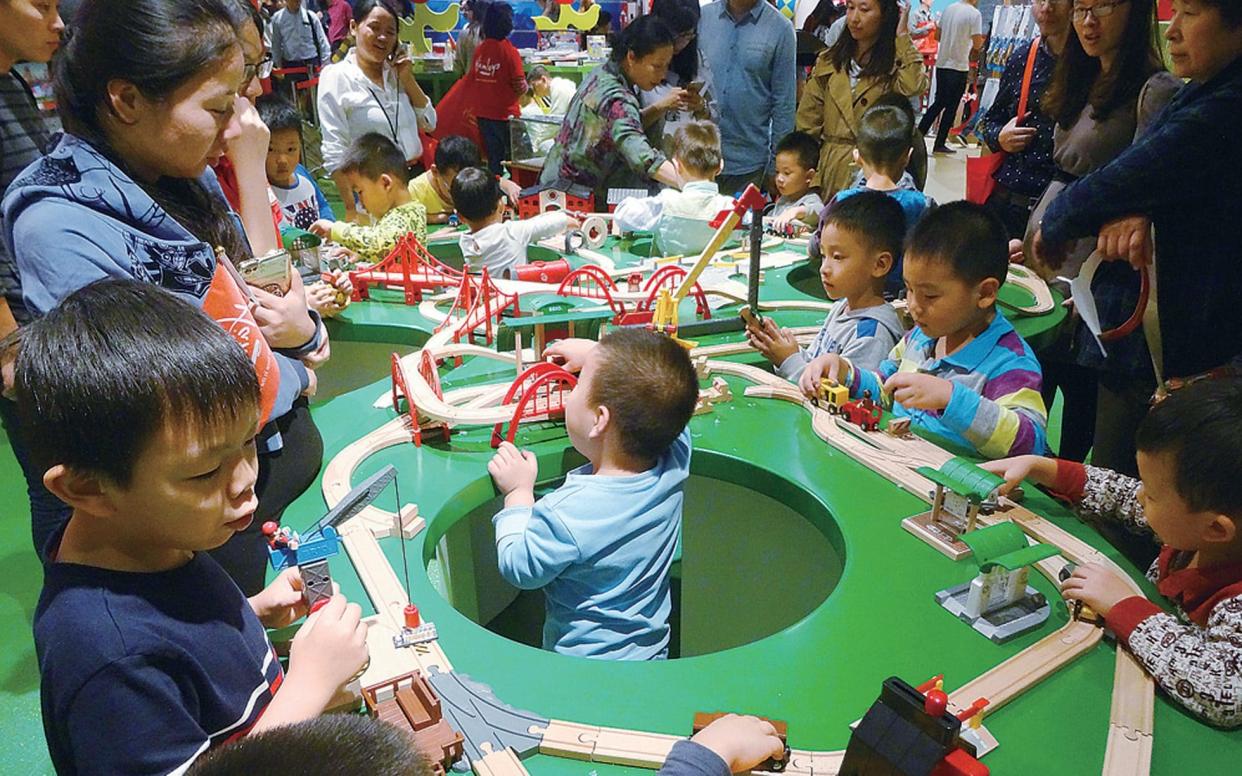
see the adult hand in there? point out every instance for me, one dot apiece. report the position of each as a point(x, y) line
point(402, 64)
point(248, 149)
point(742, 742)
point(284, 320)
point(913, 390)
point(510, 189)
point(321, 354)
point(1035, 468)
point(514, 472)
point(694, 103)
point(572, 350)
point(1051, 255)
point(1015, 138)
point(1097, 587)
point(1127, 238)
point(330, 648)
point(1016, 254)
point(671, 101)
point(282, 602)
point(774, 342)
point(829, 366)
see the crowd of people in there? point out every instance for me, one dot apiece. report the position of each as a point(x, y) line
point(159, 403)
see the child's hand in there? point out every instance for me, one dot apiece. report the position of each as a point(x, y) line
point(775, 343)
point(573, 350)
point(829, 365)
point(282, 602)
point(510, 189)
point(790, 216)
point(321, 228)
point(742, 742)
point(1097, 587)
point(1035, 468)
point(330, 298)
point(1016, 254)
point(919, 391)
point(330, 648)
point(515, 472)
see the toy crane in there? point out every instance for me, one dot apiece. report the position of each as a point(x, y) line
point(309, 552)
point(664, 318)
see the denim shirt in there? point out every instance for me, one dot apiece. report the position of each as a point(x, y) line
point(755, 78)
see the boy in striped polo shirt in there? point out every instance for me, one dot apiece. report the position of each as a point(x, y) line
point(962, 373)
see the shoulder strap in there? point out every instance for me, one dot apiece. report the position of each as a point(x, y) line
point(1026, 77)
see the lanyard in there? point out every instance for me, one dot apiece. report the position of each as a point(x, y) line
point(393, 127)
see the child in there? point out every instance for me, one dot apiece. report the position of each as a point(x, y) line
point(962, 372)
point(376, 170)
point(148, 652)
point(1189, 447)
point(680, 219)
point(434, 188)
point(883, 152)
point(357, 744)
point(796, 157)
point(861, 238)
point(301, 201)
point(493, 243)
point(602, 544)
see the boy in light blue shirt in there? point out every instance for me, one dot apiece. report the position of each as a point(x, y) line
point(602, 544)
point(681, 220)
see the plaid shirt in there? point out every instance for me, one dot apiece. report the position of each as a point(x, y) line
point(1185, 173)
point(995, 409)
point(601, 144)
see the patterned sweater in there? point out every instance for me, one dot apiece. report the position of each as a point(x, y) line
point(995, 408)
point(1195, 654)
point(373, 243)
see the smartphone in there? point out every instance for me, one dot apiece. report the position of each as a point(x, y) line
point(399, 49)
point(695, 86)
point(272, 272)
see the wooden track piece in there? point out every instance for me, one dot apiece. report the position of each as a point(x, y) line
point(630, 747)
point(568, 739)
point(502, 763)
point(922, 526)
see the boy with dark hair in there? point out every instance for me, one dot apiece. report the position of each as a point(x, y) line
point(434, 188)
point(796, 157)
point(377, 171)
point(962, 373)
point(492, 242)
point(327, 745)
point(1189, 500)
point(861, 240)
point(602, 544)
point(883, 152)
point(301, 201)
point(142, 412)
point(681, 219)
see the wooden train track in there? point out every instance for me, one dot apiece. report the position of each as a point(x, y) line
point(1130, 729)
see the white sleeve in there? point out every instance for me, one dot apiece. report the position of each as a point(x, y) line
point(333, 123)
point(537, 228)
point(426, 117)
point(638, 214)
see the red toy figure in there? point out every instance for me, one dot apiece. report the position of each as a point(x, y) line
point(864, 412)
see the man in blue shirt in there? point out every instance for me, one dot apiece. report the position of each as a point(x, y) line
point(749, 47)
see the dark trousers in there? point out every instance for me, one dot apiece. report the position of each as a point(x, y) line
point(950, 86)
point(733, 185)
point(1013, 210)
point(1078, 385)
point(495, 142)
point(1123, 402)
point(283, 476)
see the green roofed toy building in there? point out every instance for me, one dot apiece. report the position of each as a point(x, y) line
point(962, 490)
point(998, 603)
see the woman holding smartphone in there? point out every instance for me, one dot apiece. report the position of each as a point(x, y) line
point(685, 94)
point(372, 89)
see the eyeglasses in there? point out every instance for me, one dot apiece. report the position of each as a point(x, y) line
point(1099, 10)
point(260, 69)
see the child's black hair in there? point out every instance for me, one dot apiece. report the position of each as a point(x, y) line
point(1200, 426)
point(475, 193)
point(883, 138)
point(649, 385)
point(278, 113)
point(802, 145)
point(498, 21)
point(321, 746)
point(455, 153)
point(101, 375)
point(968, 237)
point(373, 155)
point(874, 217)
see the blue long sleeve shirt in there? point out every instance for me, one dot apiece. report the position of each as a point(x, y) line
point(1185, 174)
point(755, 77)
point(601, 548)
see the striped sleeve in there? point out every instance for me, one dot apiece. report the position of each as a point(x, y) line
point(860, 380)
point(1008, 417)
